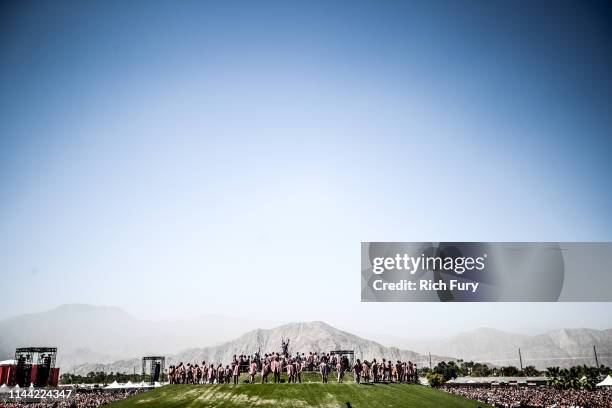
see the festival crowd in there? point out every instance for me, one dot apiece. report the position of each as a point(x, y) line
point(79, 399)
point(273, 364)
point(534, 397)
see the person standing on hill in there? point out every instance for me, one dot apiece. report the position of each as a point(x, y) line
point(265, 370)
point(324, 370)
point(211, 373)
point(183, 373)
point(198, 374)
point(171, 375)
point(298, 370)
point(252, 371)
point(290, 371)
point(310, 361)
point(365, 371)
point(345, 363)
point(357, 371)
point(241, 363)
point(375, 370)
point(395, 372)
point(273, 364)
point(276, 370)
point(228, 374)
point(236, 373)
point(204, 372)
point(340, 371)
point(188, 374)
point(220, 374)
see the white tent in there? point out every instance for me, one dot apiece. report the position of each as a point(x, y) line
point(113, 385)
point(129, 384)
point(607, 382)
point(142, 384)
point(157, 384)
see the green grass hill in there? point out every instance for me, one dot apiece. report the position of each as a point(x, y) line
point(307, 394)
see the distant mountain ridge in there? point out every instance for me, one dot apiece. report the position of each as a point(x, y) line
point(103, 334)
point(560, 347)
point(92, 337)
point(303, 337)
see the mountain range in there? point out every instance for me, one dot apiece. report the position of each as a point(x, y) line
point(104, 334)
point(303, 337)
point(560, 347)
point(92, 338)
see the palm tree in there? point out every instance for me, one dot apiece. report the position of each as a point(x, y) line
point(553, 374)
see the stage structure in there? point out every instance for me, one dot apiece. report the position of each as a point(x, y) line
point(156, 368)
point(36, 365)
point(349, 354)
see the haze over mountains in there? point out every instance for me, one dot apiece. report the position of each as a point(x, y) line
point(308, 336)
point(92, 337)
point(103, 334)
point(560, 347)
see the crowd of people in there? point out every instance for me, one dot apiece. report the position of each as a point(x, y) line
point(534, 397)
point(269, 367)
point(78, 399)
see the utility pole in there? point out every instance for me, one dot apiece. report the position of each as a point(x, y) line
point(521, 359)
point(430, 361)
point(595, 352)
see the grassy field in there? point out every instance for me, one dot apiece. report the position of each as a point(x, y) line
point(307, 394)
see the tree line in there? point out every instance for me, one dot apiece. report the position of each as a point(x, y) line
point(578, 377)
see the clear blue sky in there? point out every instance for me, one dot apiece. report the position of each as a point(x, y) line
point(206, 150)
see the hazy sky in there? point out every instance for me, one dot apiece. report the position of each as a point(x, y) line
point(230, 157)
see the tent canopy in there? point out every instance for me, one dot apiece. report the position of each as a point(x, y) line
point(112, 385)
point(607, 382)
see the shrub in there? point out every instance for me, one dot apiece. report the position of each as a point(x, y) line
point(435, 380)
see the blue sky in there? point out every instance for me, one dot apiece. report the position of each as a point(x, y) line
point(205, 150)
